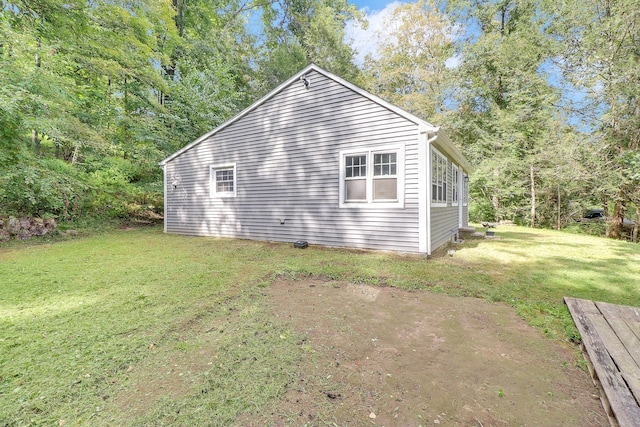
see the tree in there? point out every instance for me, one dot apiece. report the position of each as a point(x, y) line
point(598, 46)
point(298, 32)
point(505, 102)
point(411, 70)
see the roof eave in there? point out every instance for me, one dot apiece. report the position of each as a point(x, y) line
point(445, 142)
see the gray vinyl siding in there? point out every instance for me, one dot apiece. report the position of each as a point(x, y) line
point(444, 220)
point(465, 216)
point(286, 153)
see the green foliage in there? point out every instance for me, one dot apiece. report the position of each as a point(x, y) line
point(597, 49)
point(111, 88)
point(481, 210)
point(411, 71)
point(42, 189)
point(302, 31)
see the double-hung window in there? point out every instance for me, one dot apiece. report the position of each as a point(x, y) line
point(385, 176)
point(438, 178)
point(223, 180)
point(355, 178)
point(372, 178)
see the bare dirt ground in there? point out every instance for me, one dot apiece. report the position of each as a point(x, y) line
point(386, 357)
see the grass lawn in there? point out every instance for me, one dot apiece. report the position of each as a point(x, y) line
point(79, 319)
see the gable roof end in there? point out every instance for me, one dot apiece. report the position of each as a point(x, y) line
point(423, 125)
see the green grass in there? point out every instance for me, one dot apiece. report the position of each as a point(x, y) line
point(80, 318)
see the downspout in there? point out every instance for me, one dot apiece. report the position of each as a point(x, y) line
point(428, 148)
point(164, 192)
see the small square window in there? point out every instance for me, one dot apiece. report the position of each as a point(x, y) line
point(223, 181)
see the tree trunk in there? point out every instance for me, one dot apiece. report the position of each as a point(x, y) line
point(178, 6)
point(615, 226)
point(495, 201)
point(559, 205)
point(36, 141)
point(109, 101)
point(76, 151)
point(636, 225)
point(605, 210)
point(533, 196)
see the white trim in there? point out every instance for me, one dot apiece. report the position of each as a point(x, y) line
point(165, 192)
point(212, 181)
point(428, 193)
point(369, 203)
point(423, 193)
point(455, 172)
point(465, 189)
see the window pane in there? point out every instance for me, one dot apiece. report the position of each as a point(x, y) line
point(384, 164)
point(434, 171)
point(385, 189)
point(355, 166)
point(224, 181)
point(355, 189)
point(223, 187)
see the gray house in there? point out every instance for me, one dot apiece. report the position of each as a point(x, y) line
point(321, 160)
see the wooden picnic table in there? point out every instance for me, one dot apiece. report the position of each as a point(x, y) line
point(611, 343)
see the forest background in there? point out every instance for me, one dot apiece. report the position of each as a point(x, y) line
point(542, 96)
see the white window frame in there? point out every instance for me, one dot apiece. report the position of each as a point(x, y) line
point(369, 202)
point(441, 161)
point(455, 184)
point(213, 183)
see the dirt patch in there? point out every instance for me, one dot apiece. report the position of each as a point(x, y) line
point(382, 356)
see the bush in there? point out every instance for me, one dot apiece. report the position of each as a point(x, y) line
point(481, 210)
point(40, 190)
point(590, 228)
point(115, 196)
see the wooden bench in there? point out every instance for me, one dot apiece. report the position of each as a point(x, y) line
point(611, 343)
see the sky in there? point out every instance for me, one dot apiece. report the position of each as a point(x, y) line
point(364, 41)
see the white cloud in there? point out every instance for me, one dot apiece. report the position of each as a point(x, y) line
point(453, 62)
point(365, 42)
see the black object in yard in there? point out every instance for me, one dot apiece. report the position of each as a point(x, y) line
point(300, 244)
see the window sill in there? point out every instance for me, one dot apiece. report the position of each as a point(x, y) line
point(373, 205)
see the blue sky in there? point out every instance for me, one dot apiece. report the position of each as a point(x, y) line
point(371, 4)
point(364, 41)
